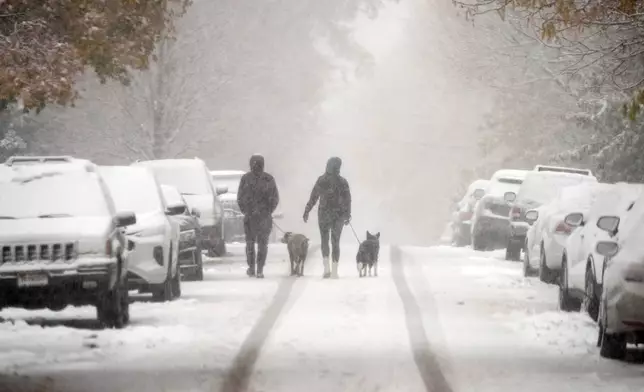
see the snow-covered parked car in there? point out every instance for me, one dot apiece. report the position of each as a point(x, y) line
point(621, 306)
point(233, 218)
point(538, 188)
point(581, 279)
point(62, 241)
point(463, 211)
point(546, 238)
point(193, 179)
point(190, 260)
point(154, 239)
point(490, 224)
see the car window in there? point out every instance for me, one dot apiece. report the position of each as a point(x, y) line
point(189, 180)
point(53, 194)
point(133, 189)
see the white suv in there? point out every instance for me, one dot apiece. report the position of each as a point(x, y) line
point(153, 259)
point(193, 179)
point(61, 241)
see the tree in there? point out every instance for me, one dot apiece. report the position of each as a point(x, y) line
point(46, 44)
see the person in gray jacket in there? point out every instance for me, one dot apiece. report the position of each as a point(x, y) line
point(257, 198)
point(334, 211)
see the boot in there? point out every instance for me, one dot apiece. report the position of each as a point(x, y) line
point(334, 271)
point(327, 272)
point(260, 272)
point(250, 271)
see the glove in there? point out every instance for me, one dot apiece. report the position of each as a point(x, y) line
point(347, 220)
point(306, 216)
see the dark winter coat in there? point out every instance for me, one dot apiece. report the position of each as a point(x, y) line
point(333, 192)
point(257, 195)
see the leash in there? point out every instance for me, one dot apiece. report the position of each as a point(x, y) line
point(354, 232)
point(278, 228)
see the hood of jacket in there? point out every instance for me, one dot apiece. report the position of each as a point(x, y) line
point(333, 165)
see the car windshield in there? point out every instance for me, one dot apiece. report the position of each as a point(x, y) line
point(541, 189)
point(53, 194)
point(189, 180)
point(133, 189)
point(499, 187)
point(171, 195)
point(232, 182)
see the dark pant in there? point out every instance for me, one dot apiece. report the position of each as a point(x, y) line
point(333, 225)
point(257, 229)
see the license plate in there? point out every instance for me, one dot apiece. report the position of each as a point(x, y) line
point(33, 280)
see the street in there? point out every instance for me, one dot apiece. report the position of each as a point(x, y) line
point(435, 319)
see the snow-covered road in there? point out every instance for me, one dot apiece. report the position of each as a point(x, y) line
point(437, 319)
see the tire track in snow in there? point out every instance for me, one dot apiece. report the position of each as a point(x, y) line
point(427, 363)
point(238, 377)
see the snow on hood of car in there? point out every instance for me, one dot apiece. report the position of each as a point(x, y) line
point(147, 220)
point(53, 229)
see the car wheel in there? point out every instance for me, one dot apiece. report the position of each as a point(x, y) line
point(513, 250)
point(590, 303)
point(176, 285)
point(546, 275)
point(612, 345)
point(113, 306)
point(165, 294)
point(199, 261)
point(527, 270)
point(220, 248)
point(567, 303)
point(478, 241)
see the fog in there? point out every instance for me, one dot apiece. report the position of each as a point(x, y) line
point(404, 128)
point(398, 97)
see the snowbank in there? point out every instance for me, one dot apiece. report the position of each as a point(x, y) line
point(554, 330)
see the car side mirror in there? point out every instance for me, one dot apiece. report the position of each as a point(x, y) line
point(531, 216)
point(177, 209)
point(124, 219)
point(195, 212)
point(509, 197)
point(574, 219)
point(479, 193)
point(608, 224)
point(607, 248)
point(221, 189)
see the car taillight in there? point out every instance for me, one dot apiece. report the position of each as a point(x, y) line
point(563, 228)
point(515, 213)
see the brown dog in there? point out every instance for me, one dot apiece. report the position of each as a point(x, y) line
point(298, 248)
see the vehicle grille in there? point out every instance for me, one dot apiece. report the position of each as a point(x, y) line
point(40, 252)
point(498, 209)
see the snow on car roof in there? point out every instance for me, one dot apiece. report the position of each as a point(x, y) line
point(510, 173)
point(170, 162)
point(227, 172)
point(23, 172)
point(543, 187)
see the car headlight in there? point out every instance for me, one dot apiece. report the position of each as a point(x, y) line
point(188, 235)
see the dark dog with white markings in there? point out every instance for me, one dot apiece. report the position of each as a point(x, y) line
point(368, 255)
point(298, 248)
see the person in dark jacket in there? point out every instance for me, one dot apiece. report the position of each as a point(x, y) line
point(334, 211)
point(257, 198)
